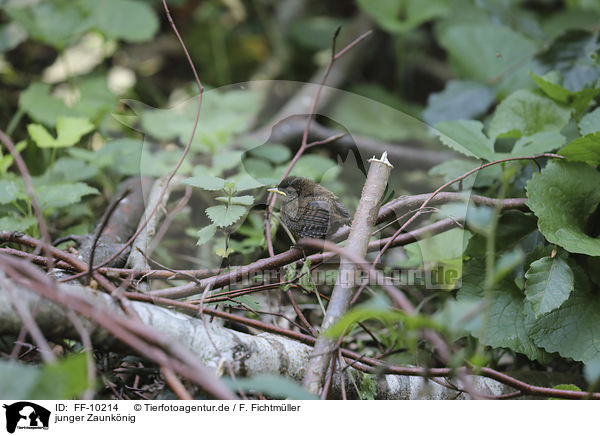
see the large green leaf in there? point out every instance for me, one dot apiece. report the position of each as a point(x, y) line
point(485, 52)
point(58, 23)
point(527, 112)
point(504, 316)
point(63, 194)
point(563, 196)
point(466, 137)
point(549, 283)
point(37, 102)
point(584, 149)
point(123, 19)
point(572, 329)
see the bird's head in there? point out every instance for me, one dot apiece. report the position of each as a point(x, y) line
point(291, 187)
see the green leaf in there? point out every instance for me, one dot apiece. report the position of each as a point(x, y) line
point(378, 309)
point(313, 166)
point(11, 35)
point(62, 380)
point(579, 100)
point(223, 216)
point(63, 194)
point(526, 112)
point(590, 123)
point(591, 370)
point(57, 23)
point(37, 102)
point(7, 160)
point(305, 281)
point(20, 223)
point(584, 149)
point(66, 378)
point(96, 101)
point(507, 262)
point(549, 283)
point(290, 274)
point(485, 52)
point(10, 191)
point(245, 200)
point(67, 169)
point(460, 100)
point(275, 153)
point(313, 32)
point(571, 330)
point(542, 142)
point(206, 233)
point(399, 16)
point(466, 137)
point(504, 316)
point(209, 183)
point(549, 83)
point(275, 386)
point(132, 21)
point(69, 132)
point(244, 182)
point(563, 196)
point(221, 252)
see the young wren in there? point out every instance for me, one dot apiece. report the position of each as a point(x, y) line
point(309, 210)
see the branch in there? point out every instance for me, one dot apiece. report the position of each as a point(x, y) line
point(358, 241)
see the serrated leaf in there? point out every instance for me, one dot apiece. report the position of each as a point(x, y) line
point(549, 282)
point(223, 216)
point(69, 132)
point(527, 112)
point(584, 149)
point(504, 318)
point(209, 183)
point(205, 234)
point(571, 330)
point(466, 137)
point(63, 194)
point(245, 200)
point(562, 196)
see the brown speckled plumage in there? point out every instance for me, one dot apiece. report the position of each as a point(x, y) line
point(309, 210)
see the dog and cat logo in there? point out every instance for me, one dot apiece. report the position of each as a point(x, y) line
point(26, 415)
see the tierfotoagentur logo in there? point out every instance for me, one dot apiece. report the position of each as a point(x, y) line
point(24, 415)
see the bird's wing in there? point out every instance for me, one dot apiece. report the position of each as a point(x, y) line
point(315, 219)
point(342, 210)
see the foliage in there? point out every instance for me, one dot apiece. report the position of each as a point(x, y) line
point(490, 80)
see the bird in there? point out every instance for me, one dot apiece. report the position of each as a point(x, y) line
point(309, 210)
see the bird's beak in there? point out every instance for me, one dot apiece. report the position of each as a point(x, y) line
point(277, 191)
